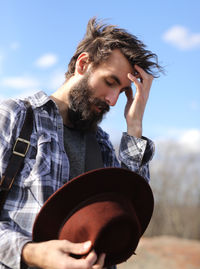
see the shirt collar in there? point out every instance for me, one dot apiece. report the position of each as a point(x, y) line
point(39, 99)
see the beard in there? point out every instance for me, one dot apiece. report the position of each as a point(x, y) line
point(81, 107)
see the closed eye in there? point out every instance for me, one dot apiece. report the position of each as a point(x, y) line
point(110, 84)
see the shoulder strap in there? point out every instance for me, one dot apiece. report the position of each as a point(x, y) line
point(19, 152)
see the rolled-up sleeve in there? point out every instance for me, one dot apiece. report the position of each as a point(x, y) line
point(12, 242)
point(136, 153)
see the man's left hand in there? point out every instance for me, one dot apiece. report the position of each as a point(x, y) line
point(135, 106)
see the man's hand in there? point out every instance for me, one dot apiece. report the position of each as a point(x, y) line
point(135, 106)
point(55, 254)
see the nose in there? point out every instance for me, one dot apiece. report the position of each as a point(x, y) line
point(112, 97)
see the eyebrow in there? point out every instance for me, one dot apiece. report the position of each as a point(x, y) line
point(117, 80)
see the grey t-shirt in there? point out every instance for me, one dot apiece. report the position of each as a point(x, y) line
point(75, 146)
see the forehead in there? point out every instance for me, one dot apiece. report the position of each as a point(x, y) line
point(117, 65)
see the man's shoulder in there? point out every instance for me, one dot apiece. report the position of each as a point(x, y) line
point(16, 106)
point(36, 99)
point(11, 106)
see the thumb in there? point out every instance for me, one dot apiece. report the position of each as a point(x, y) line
point(77, 248)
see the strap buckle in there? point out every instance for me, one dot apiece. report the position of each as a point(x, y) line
point(21, 140)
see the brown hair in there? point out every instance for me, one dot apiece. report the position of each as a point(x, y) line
point(100, 40)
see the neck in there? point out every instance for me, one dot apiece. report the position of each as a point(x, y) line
point(60, 97)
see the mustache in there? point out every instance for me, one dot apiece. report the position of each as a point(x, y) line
point(87, 119)
point(102, 105)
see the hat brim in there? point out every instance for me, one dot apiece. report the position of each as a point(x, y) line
point(64, 200)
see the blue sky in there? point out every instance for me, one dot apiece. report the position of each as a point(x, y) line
point(37, 39)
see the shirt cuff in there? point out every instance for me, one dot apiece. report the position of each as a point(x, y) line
point(137, 150)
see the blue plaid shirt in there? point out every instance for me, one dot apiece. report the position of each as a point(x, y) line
point(46, 168)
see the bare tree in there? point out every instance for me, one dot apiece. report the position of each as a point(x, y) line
point(175, 180)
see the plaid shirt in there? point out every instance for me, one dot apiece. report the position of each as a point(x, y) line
point(46, 168)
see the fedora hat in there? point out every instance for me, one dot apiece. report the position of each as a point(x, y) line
point(111, 207)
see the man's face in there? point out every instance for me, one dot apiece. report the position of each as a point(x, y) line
point(98, 89)
point(109, 79)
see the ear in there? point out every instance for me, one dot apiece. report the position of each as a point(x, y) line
point(82, 63)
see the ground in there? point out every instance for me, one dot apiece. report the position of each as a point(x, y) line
point(165, 252)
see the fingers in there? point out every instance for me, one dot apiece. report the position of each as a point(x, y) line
point(91, 261)
point(142, 75)
point(75, 248)
point(134, 79)
point(100, 263)
point(84, 263)
point(80, 249)
point(91, 258)
point(143, 84)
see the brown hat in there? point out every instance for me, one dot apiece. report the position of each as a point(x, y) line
point(111, 207)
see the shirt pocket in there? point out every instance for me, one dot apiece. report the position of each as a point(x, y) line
point(37, 165)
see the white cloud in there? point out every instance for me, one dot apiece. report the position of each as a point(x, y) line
point(19, 82)
point(14, 45)
point(46, 60)
point(182, 38)
point(191, 140)
point(180, 141)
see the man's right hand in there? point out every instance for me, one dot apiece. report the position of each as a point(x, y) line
point(55, 254)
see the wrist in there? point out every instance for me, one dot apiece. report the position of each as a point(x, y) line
point(28, 254)
point(135, 130)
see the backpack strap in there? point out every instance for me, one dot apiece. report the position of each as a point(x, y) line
point(18, 155)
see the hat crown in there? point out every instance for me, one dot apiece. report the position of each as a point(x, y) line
point(109, 221)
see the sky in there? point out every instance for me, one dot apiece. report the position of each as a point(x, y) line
point(38, 38)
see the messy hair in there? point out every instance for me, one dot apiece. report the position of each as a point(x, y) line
point(101, 39)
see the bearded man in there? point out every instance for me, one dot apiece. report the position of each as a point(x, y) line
point(107, 61)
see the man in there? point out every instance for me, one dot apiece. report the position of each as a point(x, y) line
point(107, 61)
